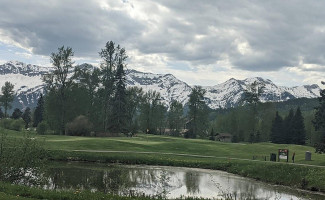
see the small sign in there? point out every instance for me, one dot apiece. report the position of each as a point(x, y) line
point(283, 154)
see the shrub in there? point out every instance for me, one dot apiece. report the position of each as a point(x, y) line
point(80, 126)
point(21, 158)
point(5, 123)
point(42, 128)
point(12, 124)
point(17, 125)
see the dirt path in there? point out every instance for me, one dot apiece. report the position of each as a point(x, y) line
point(190, 155)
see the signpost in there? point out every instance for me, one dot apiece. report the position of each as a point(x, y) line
point(283, 154)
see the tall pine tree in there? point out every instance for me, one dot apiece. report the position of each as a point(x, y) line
point(319, 121)
point(119, 112)
point(134, 99)
point(1, 114)
point(288, 127)
point(298, 126)
point(198, 113)
point(27, 117)
point(277, 133)
point(16, 114)
point(107, 71)
point(175, 116)
point(39, 111)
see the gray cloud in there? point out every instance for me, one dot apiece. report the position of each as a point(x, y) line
point(252, 35)
point(44, 26)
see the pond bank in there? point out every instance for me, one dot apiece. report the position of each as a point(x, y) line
point(295, 176)
point(75, 180)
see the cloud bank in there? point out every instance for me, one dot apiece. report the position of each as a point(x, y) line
point(214, 37)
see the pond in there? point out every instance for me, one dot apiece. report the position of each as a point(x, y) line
point(169, 182)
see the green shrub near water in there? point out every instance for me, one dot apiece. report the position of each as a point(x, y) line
point(12, 124)
point(42, 128)
point(21, 159)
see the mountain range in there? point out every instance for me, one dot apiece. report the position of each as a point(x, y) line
point(27, 80)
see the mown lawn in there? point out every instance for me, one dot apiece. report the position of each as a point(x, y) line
point(165, 144)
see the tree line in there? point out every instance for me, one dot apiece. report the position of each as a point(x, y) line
point(290, 130)
point(83, 100)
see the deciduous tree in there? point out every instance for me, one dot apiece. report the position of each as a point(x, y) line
point(7, 96)
point(58, 81)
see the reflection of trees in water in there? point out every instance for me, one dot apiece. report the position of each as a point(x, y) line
point(152, 179)
point(112, 180)
point(192, 182)
point(245, 189)
point(118, 180)
point(143, 176)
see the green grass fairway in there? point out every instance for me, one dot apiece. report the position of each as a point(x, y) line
point(164, 144)
point(173, 151)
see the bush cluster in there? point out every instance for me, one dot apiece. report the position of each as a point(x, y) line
point(12, 124)
point(80, 126)
point(42, 128)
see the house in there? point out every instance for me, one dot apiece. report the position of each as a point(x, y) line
point(224, 137)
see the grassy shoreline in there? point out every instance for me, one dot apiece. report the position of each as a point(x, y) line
point(169, 151)
point(18, 192)
point(296, 176)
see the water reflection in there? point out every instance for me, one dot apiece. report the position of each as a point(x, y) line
point(170, 182)
point(192, 182)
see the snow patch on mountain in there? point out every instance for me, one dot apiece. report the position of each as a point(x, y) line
point(28, 83)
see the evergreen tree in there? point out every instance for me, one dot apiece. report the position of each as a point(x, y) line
point(257, 137)
point(16, 114)
point(160, 117)
point(198, 113)
point(119, 112)
point(39, 111)
point(319, 121)
point(113, 56)
point(251, 137)
point(212, 135)
point(299, 132)
point(1, 114)
point(175, 116)
point(277, 133)
point(133, 101)
point(288, 128)
point(7, 96)
point(27, 117)
point(59, 83)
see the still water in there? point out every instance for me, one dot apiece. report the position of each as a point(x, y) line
point(169, 182)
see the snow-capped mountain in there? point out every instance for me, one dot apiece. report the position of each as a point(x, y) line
point(28, 83)
point(231, 92)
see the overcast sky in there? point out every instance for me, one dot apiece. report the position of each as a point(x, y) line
point(200, 42)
